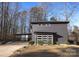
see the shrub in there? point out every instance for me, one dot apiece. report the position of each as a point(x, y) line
point(18, 50)
point(77, 43)
point(31, 42)
point(49, 42)
point(71, 41)
point(40, 42)
point(24, 47)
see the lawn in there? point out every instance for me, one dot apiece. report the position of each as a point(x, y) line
point(48, 51)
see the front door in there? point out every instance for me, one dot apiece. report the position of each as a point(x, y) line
point(44, 39)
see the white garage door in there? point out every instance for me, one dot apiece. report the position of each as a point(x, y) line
point(45, 38)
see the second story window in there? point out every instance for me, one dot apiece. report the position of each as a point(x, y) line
point(40, 24)
point(49, 24)
point(44, 24)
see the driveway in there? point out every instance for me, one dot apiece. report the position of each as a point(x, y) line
point(48, 51)
point(8, 49)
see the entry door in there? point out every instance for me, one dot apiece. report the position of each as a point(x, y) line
point(45, 38)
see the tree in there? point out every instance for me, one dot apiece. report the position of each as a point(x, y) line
point(23, 21)
point(15, 17)
point(76, 31)
point(69, 10)
point(64, 12)
point(4, 19)
point(8, 20)
point(53, 19)
point(45, 7)
point(36, 14)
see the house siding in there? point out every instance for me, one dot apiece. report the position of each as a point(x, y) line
point(60, 29)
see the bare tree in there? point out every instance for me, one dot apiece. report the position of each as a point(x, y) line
point(8, 21)
point(10, 17)
point(4, 19)
point(68, 10)
point(15, 18)
point(23, 21)
point(48, 10)
point(53, 19)
point(76, 31)
point(36, 14)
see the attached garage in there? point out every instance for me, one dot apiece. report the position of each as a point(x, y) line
point(47, 37)
point(44, 38)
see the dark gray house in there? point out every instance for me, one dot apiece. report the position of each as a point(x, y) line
point(50, 31)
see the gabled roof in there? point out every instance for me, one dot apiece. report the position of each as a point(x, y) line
point(51, 22)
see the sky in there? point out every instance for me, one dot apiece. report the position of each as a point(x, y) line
point(75, 18)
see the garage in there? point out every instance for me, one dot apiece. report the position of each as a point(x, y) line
point(44, 38)
point(47, 37)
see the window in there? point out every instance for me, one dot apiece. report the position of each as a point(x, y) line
point(49, 24)
point(43, 24)
point(40, 24)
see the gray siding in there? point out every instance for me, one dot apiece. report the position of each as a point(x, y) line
point(60, 29)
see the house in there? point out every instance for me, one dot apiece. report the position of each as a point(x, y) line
point(54, 32)
point(74, 37)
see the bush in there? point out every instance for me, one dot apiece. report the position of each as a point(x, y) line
point(71, 41)
point(77, 43)
point(31, 42)
point(24, 47)
point(49, 42)
point(40, 42)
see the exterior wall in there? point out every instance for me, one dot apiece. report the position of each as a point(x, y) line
point(24, 37)
point(60, 29)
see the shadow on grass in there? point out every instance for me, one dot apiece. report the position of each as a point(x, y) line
point(76, 51)
point(42, 53)
point(64, 52)
point(70, 51)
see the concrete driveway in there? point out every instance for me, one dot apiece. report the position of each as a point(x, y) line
point(8, 49)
